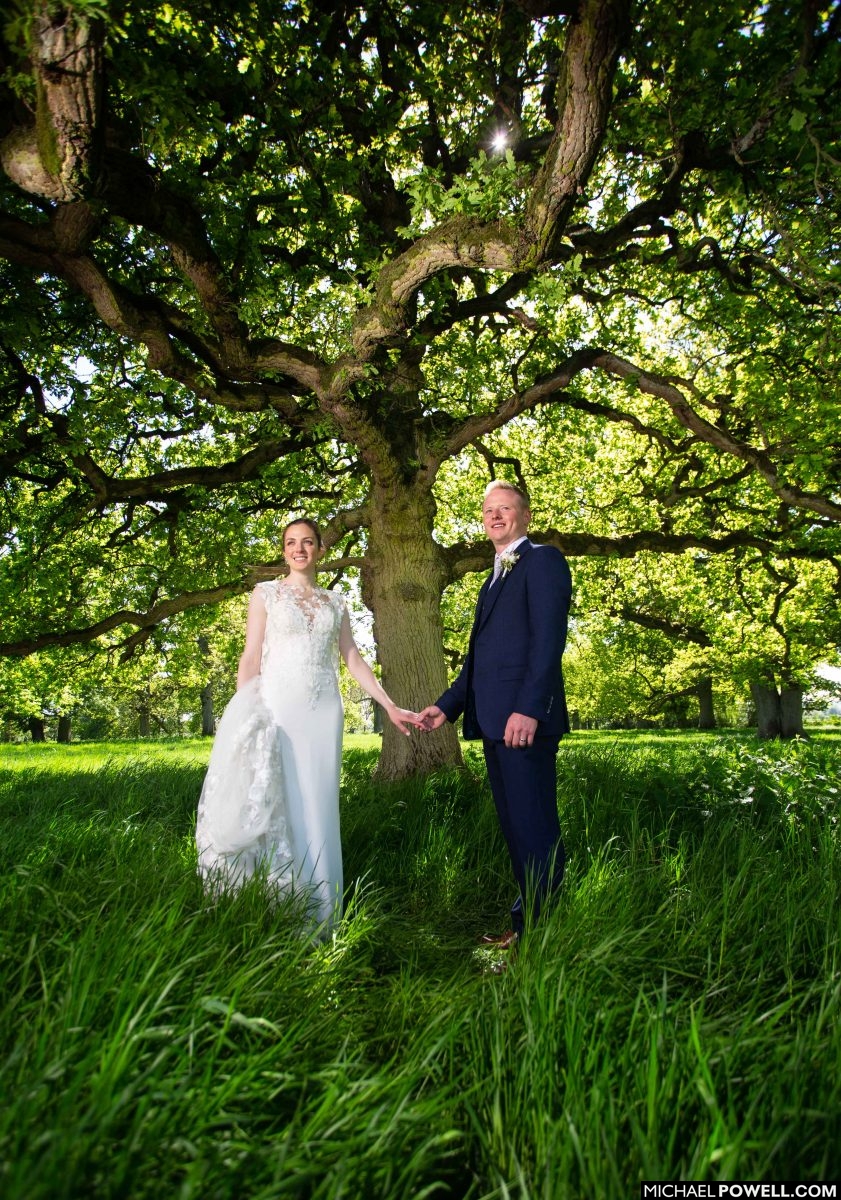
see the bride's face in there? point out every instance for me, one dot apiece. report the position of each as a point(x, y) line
point(300, 548)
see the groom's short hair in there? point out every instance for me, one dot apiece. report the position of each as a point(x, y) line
point(505, 485)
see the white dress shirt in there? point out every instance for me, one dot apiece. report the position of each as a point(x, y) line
point(506, 550)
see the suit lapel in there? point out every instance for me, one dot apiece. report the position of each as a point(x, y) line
point(481, 602)
point(487, 599)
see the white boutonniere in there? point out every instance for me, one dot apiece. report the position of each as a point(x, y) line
point(507, 561)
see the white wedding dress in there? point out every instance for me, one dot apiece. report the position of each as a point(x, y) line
point(270, 798)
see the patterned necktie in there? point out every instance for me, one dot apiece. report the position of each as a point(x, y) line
point(497, 570)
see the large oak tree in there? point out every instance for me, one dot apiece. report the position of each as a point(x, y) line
point(357, 258)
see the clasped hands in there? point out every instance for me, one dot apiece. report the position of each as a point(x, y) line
point(519, 729)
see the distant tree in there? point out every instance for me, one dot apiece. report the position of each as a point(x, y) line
point(656, 629)
point(179, 679)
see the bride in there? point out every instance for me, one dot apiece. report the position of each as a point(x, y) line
point(270, 798)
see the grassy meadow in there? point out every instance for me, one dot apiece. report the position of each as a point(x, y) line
point(677, 1015)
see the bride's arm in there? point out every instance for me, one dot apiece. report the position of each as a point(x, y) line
point(255, 628)
point(367, 680)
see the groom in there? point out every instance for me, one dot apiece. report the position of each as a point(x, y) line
point(511, 691)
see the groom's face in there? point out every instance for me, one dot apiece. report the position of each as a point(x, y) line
point(505, 517)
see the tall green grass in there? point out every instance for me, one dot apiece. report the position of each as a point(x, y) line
point(675, 1015)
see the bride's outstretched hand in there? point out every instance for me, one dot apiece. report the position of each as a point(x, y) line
point(404, 719)
point(431, 718)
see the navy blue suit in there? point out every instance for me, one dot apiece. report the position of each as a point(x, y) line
point(513, 664)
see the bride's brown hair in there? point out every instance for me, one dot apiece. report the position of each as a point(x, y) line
point(303, 521)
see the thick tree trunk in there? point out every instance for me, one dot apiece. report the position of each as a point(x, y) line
point(208, 721)
point(63, 732)
point(791, 712)
point(36, 729)
point(706, 709)
point(778, 713)
point(402, 584)
point(767, 705)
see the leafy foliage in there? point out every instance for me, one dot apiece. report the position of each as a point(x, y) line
point(284, 262)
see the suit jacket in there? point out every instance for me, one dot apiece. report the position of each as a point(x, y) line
point(513, 662)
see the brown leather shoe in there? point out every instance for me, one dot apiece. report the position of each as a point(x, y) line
point(503, 941)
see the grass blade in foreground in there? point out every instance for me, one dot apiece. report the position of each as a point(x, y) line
point(677, 1014)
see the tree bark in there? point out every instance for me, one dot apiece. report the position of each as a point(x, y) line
point(36, 728)
point(706, 709)
point(402, 582)
point(779, 713)
point(791, 711)
point(208, 721)
point(63, 732)
point(59, 156)
point(144, 716)
point(585, 90)
point(767, 704)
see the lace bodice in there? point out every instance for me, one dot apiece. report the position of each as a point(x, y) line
point(301, 642)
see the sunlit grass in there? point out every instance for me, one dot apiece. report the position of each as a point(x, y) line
point(676, 1015)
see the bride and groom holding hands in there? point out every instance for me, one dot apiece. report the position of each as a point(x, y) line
point(270, 799)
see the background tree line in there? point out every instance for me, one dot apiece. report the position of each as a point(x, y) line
point(654, 643)
point(358, 259)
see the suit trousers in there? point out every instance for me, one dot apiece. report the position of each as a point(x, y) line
point(524, 787)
